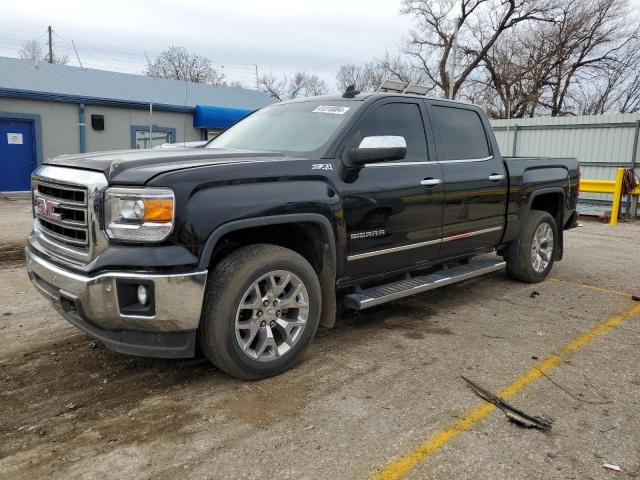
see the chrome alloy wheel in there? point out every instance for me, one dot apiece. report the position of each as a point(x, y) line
point(272, 315)
point(542, 247)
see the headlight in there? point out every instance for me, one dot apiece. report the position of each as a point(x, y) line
point(139, 214)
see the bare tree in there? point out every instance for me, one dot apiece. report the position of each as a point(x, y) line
point(584, 61)
point(35, 51)
point(282, 88)
point(589, 38)
point(313, 85)
point(357, 75)
point(369, 77)
point(480, 24)
point(273, 86)
point(518, 69)
point(235, 84)
point(177, 63)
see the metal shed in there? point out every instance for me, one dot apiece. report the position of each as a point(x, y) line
point(601, 143)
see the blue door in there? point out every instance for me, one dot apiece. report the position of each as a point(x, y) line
point(17, 155)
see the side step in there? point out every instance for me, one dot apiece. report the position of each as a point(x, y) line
point(370, 297)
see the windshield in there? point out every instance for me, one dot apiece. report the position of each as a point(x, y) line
point(299, 128)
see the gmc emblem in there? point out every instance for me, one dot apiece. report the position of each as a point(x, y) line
point(46, 208)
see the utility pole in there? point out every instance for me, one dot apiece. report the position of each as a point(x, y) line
point(454, 55)
point(257, 80)
point(50, 31)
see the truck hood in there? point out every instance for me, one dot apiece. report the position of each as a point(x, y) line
point(136, 167)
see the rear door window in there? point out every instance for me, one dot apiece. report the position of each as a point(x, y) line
point(459, 133)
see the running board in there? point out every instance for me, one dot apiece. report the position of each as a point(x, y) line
point(370, 297)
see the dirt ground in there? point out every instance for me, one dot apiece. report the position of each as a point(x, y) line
point(368, 392)
point(17, 208)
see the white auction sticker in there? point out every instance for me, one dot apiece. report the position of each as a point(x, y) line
point(14, 138)
point(331, 109)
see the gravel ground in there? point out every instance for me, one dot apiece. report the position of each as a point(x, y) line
point(367, 393)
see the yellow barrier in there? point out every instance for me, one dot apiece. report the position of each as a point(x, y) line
point(608, 186)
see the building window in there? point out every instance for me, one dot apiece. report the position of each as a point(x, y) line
point(140, 138)
point(213, 133)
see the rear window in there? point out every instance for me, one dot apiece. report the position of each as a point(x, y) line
point(459, 134)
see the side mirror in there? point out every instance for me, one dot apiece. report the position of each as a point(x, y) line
point(377, 149)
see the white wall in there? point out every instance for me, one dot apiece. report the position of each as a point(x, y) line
point(118, 121)
point(61, 134)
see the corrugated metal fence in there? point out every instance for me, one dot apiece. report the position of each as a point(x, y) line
point(601, 143)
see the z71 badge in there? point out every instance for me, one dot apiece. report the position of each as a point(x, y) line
point(369, 234)
point(321, 166)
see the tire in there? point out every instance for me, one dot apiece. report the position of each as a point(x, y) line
point(243, 336)
point(522, 264)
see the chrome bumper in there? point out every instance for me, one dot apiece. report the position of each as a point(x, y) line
point(178, 297)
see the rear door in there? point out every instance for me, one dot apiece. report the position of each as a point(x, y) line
point(393, 210)
point(475, 179)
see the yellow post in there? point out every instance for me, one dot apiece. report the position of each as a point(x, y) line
point(617, 194)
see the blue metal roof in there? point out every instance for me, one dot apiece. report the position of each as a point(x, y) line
point(39, 80)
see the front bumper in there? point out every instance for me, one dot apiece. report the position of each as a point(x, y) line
point(91, 303)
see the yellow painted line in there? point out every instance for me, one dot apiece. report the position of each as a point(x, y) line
point(592, 287)
point(398, 468)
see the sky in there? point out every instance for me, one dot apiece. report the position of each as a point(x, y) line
point(279, 36)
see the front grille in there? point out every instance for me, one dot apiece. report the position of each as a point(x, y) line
point(61, 213)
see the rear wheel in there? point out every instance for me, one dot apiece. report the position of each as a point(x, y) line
point(262, 309)
point(530, 257)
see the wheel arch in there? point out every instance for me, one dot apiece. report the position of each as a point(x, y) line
point(552, 201)
point(321, 255)
point(219, 233)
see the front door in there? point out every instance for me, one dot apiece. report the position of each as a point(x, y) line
point(393, 210)
point(17, 155)
point(475, 180)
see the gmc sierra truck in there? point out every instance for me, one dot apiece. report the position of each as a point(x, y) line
point(244, 247)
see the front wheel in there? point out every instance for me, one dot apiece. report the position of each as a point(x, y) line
point(262, 309)
point(530, 257)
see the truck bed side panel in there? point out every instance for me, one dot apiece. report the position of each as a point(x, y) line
point(532, 176)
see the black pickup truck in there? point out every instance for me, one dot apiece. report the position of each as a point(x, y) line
point(245, 246)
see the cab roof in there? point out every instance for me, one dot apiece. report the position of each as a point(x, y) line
point(371, 96)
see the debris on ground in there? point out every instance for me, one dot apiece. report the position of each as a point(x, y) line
point(575, 397)
point(91, 345)
point(495, 336)
point(611, 468)
point(70, 406)
point(534, 294)
point(635, 298)
point(513, 414)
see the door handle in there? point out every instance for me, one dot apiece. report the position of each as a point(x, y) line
point(430, 182)
point(496, 177)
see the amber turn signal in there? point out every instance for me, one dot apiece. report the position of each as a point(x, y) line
point(158, 209)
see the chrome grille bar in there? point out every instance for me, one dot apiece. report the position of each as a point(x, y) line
point(67, 226)
point(61, 212)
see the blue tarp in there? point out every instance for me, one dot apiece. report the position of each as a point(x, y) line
point(217, 117)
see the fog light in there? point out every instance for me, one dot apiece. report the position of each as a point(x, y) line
point(143, 296)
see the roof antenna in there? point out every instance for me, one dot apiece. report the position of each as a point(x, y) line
point(350, 92)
